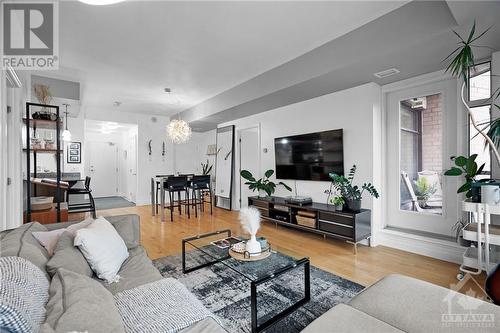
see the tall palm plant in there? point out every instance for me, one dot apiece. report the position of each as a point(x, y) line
point(462, 59)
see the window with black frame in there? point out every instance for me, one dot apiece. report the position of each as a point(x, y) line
point(479, 92)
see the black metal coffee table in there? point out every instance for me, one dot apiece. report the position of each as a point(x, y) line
point(257, 273)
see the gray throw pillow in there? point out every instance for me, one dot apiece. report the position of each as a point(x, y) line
point(79, 303)
point(128, 227)
point(21, 243)
point(68, 256)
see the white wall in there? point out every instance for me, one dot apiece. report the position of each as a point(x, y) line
point(190, 155)
point(355, 110)
point(148, 166)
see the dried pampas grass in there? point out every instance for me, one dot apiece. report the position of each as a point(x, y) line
point(42, 93)
point(250, 220)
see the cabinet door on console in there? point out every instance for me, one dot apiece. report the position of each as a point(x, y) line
point(340, 218)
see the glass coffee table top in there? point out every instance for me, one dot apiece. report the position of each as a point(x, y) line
point(205, 251)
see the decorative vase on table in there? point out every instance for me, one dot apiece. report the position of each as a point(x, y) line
point(253, 246)
point(262, 194)
point(250, 222)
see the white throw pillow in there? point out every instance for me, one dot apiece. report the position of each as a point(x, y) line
point(103, 248)
point(48, 239)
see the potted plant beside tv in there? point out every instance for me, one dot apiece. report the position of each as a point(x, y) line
point(264, 186)
point(352, 193)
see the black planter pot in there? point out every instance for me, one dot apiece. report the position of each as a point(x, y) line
point(354, 205)
point(476, 193)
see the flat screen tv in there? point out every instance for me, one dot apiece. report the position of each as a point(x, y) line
point(309, 156)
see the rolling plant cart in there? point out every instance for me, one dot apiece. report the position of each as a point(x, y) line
point(486, 254)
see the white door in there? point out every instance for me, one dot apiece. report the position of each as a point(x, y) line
point(102, 168)
point(249, 143)
point(421, 136)
point(132, 167)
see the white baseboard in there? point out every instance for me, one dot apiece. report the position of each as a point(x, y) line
point(430, 247)
point(143, 202)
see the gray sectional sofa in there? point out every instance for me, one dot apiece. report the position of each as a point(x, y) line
point(136, 271)
point(394, 304)
point(399, 303)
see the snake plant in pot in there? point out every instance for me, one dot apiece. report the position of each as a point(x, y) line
point(263, 185)
point(352, 193)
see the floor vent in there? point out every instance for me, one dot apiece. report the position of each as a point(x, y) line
point(386, 73)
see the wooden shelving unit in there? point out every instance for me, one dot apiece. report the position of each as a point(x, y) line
point(54, 214)
point(43, 124)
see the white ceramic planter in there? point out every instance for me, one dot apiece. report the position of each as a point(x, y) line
point(490, 194)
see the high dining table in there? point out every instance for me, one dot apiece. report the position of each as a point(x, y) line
point(155, 181)
point(154, 200)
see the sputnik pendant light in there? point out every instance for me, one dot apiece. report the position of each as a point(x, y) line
point(178, 130)
point(66, 134)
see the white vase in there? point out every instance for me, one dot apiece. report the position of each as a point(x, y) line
point(253, 246)
point(490, 194)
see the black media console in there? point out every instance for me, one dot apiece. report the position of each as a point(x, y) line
point(319, 218)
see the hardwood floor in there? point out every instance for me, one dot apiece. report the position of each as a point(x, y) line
point(368, 266)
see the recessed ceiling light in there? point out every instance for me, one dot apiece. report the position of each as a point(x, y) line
point(110, 125)
point(100, 2)
point(387, 73)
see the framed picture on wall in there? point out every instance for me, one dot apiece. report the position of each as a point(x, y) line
point(74, 153)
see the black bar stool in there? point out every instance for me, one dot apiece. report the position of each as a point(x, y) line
point(85, 206)
point(158, 188)
point(179, 185)
point(201, 185)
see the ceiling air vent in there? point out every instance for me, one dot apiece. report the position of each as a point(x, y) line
point(386, 73)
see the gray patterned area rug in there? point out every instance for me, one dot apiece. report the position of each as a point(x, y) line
point(227, 294)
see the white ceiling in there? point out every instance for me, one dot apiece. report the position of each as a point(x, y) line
point(130, 51)
point(107, 127)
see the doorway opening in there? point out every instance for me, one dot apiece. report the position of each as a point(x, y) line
point(111, 162)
